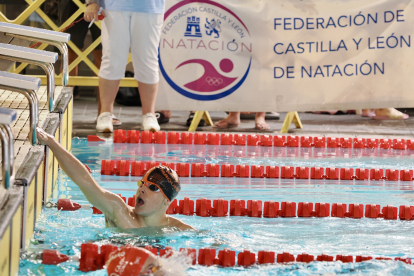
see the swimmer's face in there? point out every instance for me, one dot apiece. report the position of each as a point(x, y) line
point(149, 199)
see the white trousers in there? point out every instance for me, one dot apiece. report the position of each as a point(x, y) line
point(137, 32)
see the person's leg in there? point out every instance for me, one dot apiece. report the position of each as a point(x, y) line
point(232, 120)
point(115, 44)
point(148, 94)
point(108, 90)
point(145, 38)
point(260, 121)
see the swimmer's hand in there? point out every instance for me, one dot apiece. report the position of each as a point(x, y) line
point(43, 137)
point(91, 13)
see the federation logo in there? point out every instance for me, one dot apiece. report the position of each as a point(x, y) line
point(205, 50)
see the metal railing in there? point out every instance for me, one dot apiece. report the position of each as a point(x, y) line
point(7, 116)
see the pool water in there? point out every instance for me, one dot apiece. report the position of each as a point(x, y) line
point(66, 231)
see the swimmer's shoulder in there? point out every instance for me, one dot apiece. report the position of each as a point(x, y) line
point(174, 222)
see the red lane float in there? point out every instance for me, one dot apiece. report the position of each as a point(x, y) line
point(305, 258)
point(253, 140)
point(285, 258)
point(139, 168)
point(324, 258)
point(172, 209)
point(266, 141)
point(345, 143)
point(359, 143)
point(199, 138)
point(65, 204)
point(94, 138)
point(213, 139)
point(96, 211)
point(226, 258)
point(203, 207)
point(185, 207)
point(338, 210)
point(305, 210)
point(206, 256)
point(344, 259)
point(226, 139)
point(239, 140)
point(94, 258)
point(53, 257)
point(320, 142)
point(270, 209)
point(266, 257)
point(279, 141)
point(220, 208)
point(406, 212)
point(287, 210)
point(119, 136)
point(183, 170)
point(385, 143)
point(359, 259)
point(404, 260)
point(246, 258)
point(410, 144)
point(89, 256)
point(132, 137)
point(254, 208)
point(131, 201)
point(238, 208)
point(355, 211)
point(212, 170)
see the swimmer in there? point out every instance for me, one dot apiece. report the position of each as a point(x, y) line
point(158, 188)
point(130, 261)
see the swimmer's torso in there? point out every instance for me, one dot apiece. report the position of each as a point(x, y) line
point(127, 219)
point(124, 218)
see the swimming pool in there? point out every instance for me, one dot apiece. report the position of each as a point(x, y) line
point(66, 231)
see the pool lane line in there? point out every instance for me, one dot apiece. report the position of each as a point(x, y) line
point(91, 260)
point(200, 138)
point(270, 209)
point(139, 168)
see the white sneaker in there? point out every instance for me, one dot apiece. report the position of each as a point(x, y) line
point(149, 122)
point(115, 121)
point(104, 122)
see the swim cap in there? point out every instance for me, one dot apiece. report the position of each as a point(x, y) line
point(126, 261)
point(163, 177)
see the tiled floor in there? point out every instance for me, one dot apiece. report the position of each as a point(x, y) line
point(85, 110)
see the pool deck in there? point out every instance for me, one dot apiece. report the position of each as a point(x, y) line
point(85, 110)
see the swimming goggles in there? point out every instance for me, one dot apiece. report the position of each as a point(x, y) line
point(152, 187)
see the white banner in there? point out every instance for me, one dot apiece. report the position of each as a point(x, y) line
point(279, 55)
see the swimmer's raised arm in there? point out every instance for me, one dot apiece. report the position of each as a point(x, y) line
point(102, 199)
